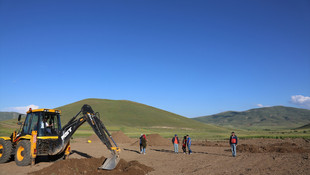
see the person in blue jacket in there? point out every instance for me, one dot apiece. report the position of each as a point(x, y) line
point(233, 141)
point(189, 143)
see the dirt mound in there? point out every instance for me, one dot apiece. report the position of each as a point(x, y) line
point(248, 148)
point(154, 140)
point(118, 137)
point(286, 148)
point(285, 144)
point(90, 166)
point(209, 143)
point(277, 147)
point(157, 140)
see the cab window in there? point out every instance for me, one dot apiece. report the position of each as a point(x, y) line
point(31, 123)
point(49, 125)
point(34, 122)
point(27, 123)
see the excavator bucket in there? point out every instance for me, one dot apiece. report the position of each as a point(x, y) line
point(110, 163)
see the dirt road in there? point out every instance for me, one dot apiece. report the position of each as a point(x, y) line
point(256, 156)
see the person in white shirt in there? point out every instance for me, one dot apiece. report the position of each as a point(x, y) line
point(47, 126)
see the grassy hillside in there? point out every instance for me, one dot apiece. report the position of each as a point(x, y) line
point(8, 115)
point(135, 118)
point(132, 114)
point(277, 117)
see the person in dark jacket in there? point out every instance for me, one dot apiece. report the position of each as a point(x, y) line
point(175, 142)
point(144, 142)
point(184, 145)
point(233, 141)
point(140, 143)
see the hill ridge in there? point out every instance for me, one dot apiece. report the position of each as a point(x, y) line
point(274, 117)
point(130, 113)
point(8, 115)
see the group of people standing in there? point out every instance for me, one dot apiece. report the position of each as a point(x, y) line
point(186, 142)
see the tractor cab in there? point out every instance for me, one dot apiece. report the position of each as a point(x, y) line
point(45, 121)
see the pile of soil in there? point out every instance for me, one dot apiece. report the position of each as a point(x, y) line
point(118, 137)
point(285, 147)
point(209, 143)
point(154, 140)
point(248, 148)
point(157, 140)
point(90, 166)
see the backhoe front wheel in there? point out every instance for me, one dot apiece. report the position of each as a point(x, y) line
point(22, 153)
point(5, 150)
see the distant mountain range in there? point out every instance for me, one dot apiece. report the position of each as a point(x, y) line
point(8, 115)
point(277, 117)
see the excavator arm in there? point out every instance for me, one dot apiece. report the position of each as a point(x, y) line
point(98, 127)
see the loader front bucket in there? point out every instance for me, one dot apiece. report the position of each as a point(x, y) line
point(110, 163)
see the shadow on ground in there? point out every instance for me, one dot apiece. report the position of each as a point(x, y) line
point(81, 154)
point(135, 151)
point(194, 152)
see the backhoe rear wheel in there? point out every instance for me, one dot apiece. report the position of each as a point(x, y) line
point(22, 153)
point(5, 150)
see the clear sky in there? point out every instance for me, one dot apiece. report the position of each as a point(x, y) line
point(189, 57)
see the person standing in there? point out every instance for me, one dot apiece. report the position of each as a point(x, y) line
point(184, 145)
point(189, 143)
point(233, 141)
point(175, 142)
point(140, 143)
point(143, 141)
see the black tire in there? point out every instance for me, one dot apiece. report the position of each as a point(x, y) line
point(22, 153)
point(5, 150)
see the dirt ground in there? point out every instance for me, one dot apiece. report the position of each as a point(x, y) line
point(254, 156)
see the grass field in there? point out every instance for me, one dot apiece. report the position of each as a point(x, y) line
point(8, 126)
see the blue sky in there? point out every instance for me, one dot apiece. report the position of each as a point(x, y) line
point(192, 58)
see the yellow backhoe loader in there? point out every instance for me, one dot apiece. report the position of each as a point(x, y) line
point(41, 134)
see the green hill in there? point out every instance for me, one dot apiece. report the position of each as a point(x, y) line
point(127, 113)
point(134, 118)
point(8, 115)
point(277, 117)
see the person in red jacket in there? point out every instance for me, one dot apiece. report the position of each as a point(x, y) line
point(175, 142)
point(233, 141)
point(184, 144)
